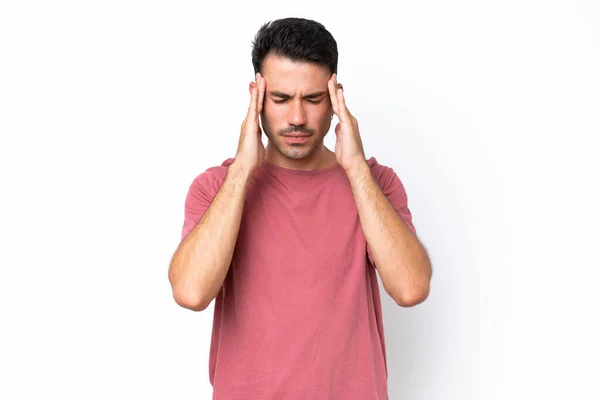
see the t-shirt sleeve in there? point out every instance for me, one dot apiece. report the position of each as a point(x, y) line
point(199, 197)
point(394, 191)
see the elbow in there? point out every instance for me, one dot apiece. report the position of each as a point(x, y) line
point(185, 297)
point(193, 306)
point(417, 293)
point(413, 297)
point(191, 302)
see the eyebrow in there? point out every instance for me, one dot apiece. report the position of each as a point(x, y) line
point(287, 96)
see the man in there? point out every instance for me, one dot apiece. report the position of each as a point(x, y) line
point(288, 239)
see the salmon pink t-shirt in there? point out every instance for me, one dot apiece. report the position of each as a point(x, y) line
point(299, 314)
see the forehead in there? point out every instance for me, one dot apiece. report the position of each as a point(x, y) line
point(284, 74)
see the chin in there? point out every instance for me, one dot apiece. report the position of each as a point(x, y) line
point(296, 154)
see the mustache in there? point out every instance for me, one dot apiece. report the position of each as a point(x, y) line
point(294, 129)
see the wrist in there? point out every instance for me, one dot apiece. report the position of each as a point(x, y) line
point(358, 171)
point(238, 170)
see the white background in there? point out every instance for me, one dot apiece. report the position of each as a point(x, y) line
point(487, 110)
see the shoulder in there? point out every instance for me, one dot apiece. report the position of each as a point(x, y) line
point(393, 189)
point(376, 166)
point(212, 178)
point(383, 174)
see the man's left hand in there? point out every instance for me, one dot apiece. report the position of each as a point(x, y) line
point(348, 147)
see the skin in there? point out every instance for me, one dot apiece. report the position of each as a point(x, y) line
point(295, 100)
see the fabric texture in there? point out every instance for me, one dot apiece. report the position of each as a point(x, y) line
point(299, 313)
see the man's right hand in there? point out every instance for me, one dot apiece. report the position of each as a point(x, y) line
point(199, 266)
point(251, 152)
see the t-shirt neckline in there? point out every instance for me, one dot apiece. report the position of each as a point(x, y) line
point(283, 170)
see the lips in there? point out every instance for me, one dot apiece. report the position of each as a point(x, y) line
point(296, 139)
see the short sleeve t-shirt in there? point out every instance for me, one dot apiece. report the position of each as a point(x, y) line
point(299, 313)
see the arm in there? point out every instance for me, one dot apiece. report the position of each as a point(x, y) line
point(200, 263)
point(402, 262)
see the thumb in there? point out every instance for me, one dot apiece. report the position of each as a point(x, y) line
point(338, 130)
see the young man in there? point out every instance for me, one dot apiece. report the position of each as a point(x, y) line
point(288, 239)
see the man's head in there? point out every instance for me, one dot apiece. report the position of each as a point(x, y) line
point(296, 57)
point(298, 39)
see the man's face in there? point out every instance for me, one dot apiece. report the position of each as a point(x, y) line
point(297, 109)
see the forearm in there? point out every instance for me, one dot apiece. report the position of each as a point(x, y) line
point(402, 262)
point(200, 264)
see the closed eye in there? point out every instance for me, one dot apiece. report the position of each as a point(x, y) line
point(310, 101)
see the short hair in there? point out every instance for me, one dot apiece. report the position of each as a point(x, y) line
point(298, 39)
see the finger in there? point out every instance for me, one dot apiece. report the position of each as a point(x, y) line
point(343, 115)
point(336, 84)
point(261, 93)
point(332, 94)
point(253, 101)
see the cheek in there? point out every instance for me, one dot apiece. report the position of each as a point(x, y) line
point(321, 116)
point(273, 113)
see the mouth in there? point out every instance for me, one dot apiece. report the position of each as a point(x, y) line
point(296, 138)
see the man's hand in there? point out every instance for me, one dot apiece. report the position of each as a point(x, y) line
point(251, 152)
point(348, 147)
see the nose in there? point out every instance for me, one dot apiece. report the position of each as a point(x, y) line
point(296, 114)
